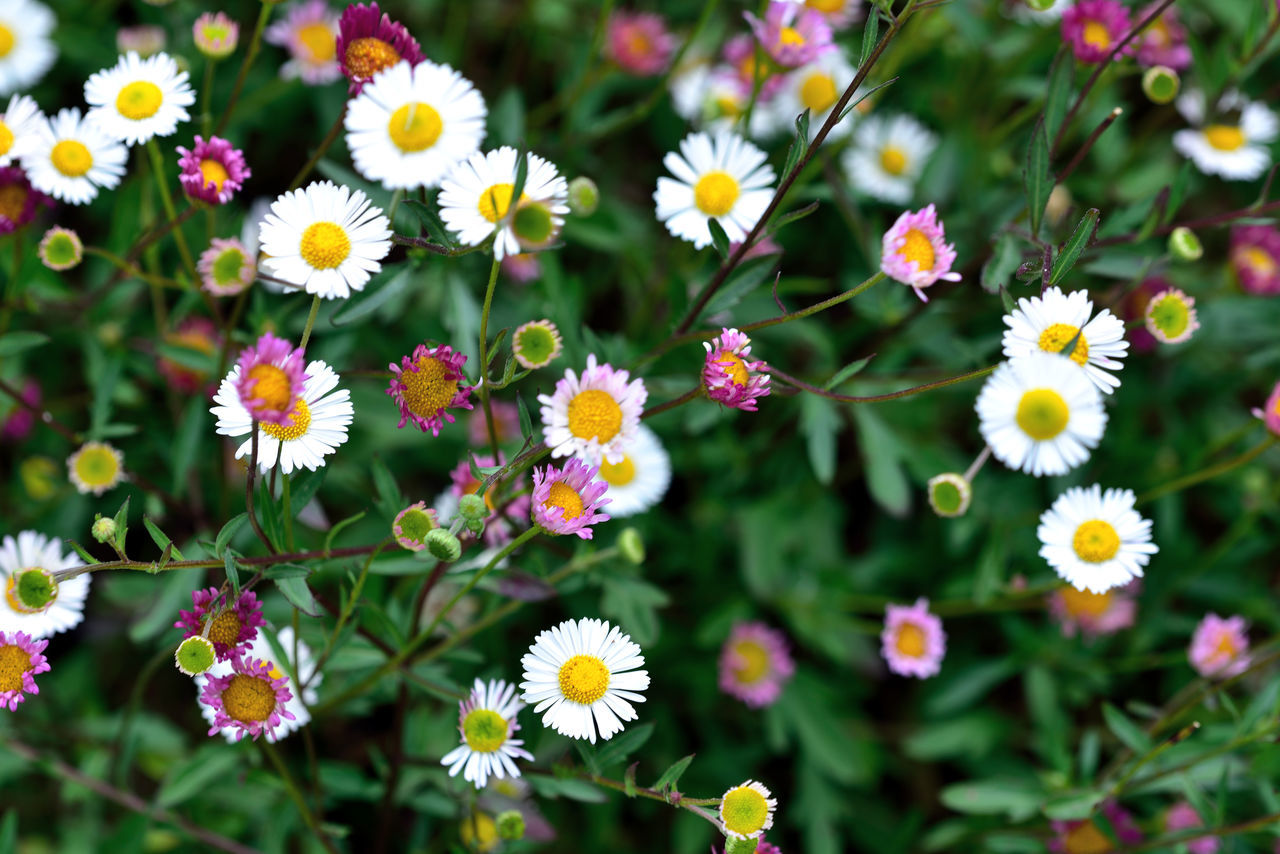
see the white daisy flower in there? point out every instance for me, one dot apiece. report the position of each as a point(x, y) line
point(486, 721)
point(1094, 539)
point(31, 560)
point(712, 97)
point(593, 416)
point(26, 51)
point(136, 98)
point(319, 426)
point(817, 87)
point(1049, 322)
point(887, 157)
point(18, 127)
point(641, 478)
point(70, 158)
point(475, 201)
point(1232, 142)
point(328, 239)
point(303, 668)
point(412, 124)
point(1040, 414)
point(721, 176)
point(582, 674)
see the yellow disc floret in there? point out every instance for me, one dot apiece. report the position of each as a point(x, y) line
point(752, 663)
point(14, 661)
point(325, 245)
point(1097, 35)
point(715, 193)
point(71, 158)
point(225, 629)
point(909, 640)
point(7, 41)
point(484, 730)
point(301, 416)
point(565, 497)
point(790, 37)
point(826, 7)
point(1096, 541)
point(139, 100)
point(6, 138)
point(270, 385)
point(428, 390)
point(584, 679)
point(734, 368)
point(893, 160)
point(367, 56)
point(495, 201)
point(213, 172)
point(916, 247)
point(1057, 336)
point(818, 92)
point(1224, 137)
point(415, 127)
point(319, 41)
point(249, 699)
point(1085, 838)
point(1042, 414)
point(618, 474)
point(744, 811)
point(594, 414)
point(13, 201)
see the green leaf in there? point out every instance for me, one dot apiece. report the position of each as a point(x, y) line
point(792, 216)
point(589, 757)
point(286, 570)
point(80, 550)
point(303, 487)
point(1003, 263)
point(229, 567)
point(634, 602)
point(336, 529)
point(674, 772)
point(1177, 190)
point(718, 238)
point(620, 747)
point(161, 539)
point(869, 33)
point(526, 422)
point(1129, 733)
point(567, 787)
point(103, 390)
point(1073, 806)
point(380, 290)
point(820, 423)
point(228, 531)
point(1017, 799)
point(517, 187)
point(844, 374)
point(390, 499)
point(431, 223)
point(1055, 102)
point(16, 342)
point(746, 278)
point(882, 457)
point(295, 589)
point(1079, 240)
point(175, 593)
point(1006, 299)
point(122, 522)
point(629, 780)
point(1037, 179)
point(799, 145)
point(196, 776)
point(9, 833)
point(186, 443)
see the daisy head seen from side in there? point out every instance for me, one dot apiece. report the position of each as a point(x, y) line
point(568, 500)
point(1053, 320)
point(594, 415)
point(718, 176)
point(1093, 614)
point(271, 380)
point(427, 384)
point(1095, 540)
point(791, 34)
point(35, 600)
point(536, 344)
point(71, 158)
point(729, 375)
point(476, 201)
point(137, 99)
point(755, 664)
point(486, 723)
point(226, 267)
point(912, 642)
point(746, 810)
point(914, 251)
point(369, 41)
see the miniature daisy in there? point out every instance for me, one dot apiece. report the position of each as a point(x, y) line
point(914, 251)
point(19, 201)
point(318, 422)
point(1231, 140)
point(233, 623)
point(1093, 27)
point(1093, 614)
point(60, 249)
point(26, 49)
point(215, 35)
point(536, 344)
point(95, 467)
point(887, 157)
point(640, 479)
point(722, 177)
point(137, 99)
point(595, 415)
point(746, 810)
point(712, 97)
point(581, 674)
point(270, 380)
point(71, 158)
point(293, 710)
point(1053, 320)
point(412, 524)
point(816, 87)
point(18, 127)
point(251, 699)
point(639, 42)
point(1164, 41)
point(1095, 540)
point(913, 642)
point(427, 385)
point(475, 201)
point(567, 500)
point(1040, 414)
point(1255, 258)
point(486, 722)
point(742, 60)
point(226, 268)
point(1171, 316)
point(727, 376)
point(949, 495)
point(1183, 816)
point(1220, 648)
point(213, 171)
point(370, 42)
point(27, 572)
point(755, 664)
point(325, 238)
point(791, 34)
point(310, 33)
point(20, 662)
point(1085, 837)
point(195, 335)
point(413, 123)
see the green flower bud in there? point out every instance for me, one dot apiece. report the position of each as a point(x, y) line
point(1184, 245)
point(443, 545)
point(475, 526)
point(472, 508)
point(584, 196)
point(510, 825)
point(949, 495)
point(1160, 84)
point(631, 545)
point(104, 529)
point(195, 655)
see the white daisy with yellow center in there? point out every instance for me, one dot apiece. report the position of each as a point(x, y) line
point(26, 49)
point(300, 665)
point(817, 87)
point(70, 158)
point(1053, 320)
point(583, 675)
point(486, 722)
point(95, 467)
point(328, 240)
point(32, 602)
point(1095, 540)
point(475, 201)
point(411, 124)
point(137, 99)
point(1230, 140)
point(1041, 414)
point(721, 177)
point(320, 422)
point(887, 157)
point(640, 479)
point(18, 127)
point(746, 810)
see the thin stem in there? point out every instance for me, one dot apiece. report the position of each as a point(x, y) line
point(248, 489)
point(311, 322)
point(255, 44)
point(42, 415)
point(263, 560)
point(484, 359)
point(878, 398)
point(692, 394)
point(129, 269)
point(295, 795)
point(1207, 472)
point(162, 183)
point(1203, 222)
point(320, 152)
point(1088, 144)
point(972, 472)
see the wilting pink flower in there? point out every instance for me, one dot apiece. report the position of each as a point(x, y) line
point(567, 500)
point(1255, 256)
point(522, 267)
point(1093, 27)
point(728, 376)
point(755, 664)
point(1219, 648)
point(212, 171)
point(369, 42)
point(427, 384)
point(914, 251)
point(640, 43)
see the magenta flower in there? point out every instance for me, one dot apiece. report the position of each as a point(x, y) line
point(566, 501)
point(212, 171)
point(1183, 816)
point(369, 42)
point(1255, 255)
point(18, 423)
point(1163, 42)
point(791, 34)
point(271, 380)
point(1093, 27)
point(226, 268)
point(728, 377)
point(915, 252)
point(251, 698)
point(755, 664)
point(1084, 835)
point(913, 642)
point(640, 43)
point(194, 333)
point(234, 623)
point(427, 385)
point(19, 201)
point(20, 662)
point(310, 33)
point(1219, 648)
point(1094, 614)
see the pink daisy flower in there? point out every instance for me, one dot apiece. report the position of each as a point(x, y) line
point(498, 529)
point(1079, 837)
point(791, 34)
point(567, 501)
point(1092, 28)
point(522, 267)
point(309, 31)
point(1219, 648)
point(1163, 42)
point(913, 642)
point(19, 201)
point(427, 385)
point(369, 42)
point(1171, 316)
point(727, 375)
point(755, 664)
point(226, 268)
point(1094, 614)
point(1271, 413)
point(198, 334)
point(1183, 816)
point(251, 698)
point(506, 423)
point(640, 43)
point(212, 171)
point(233, 624)
point(20, 662)
point(18, 423)
point(1255, 255)
point(271, 380)
point(915, 252)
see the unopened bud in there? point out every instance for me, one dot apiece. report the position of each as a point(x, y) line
point(584, 196)
point(631, 546)
point(1160, 84)
point(443, 545)
point(194, 655)
point(104, 529)
point(1184, 245)
point(472, 507)
point(510, 825)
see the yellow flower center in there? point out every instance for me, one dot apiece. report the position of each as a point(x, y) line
point(566, 498)
point(319, 41)
point(734, 367)
point(893, 160)
point(479, 833)
point(618, 474)
point(6, 138)
point(752, 661)
point(367, 56)
point(638, 44)
point(916, 247)
point(301, 415)
point(790, 37)
point(1042, 413)
point(1097, 35)
point(1085, 838)
point(1082, 603)
point(427, 391)
point(1226, 647)
point(325, 245)
point(415, 127)
point(825, 6)
point(225, 629)
point(1096, 541)
point(249, 699)
point(484, 730)
point(1258, 260)
point(71, 158)
point(909, 640)
point(715, 193)
point(584, 679)
point(744, 810)
point(141, 99)
point(594, 414)
point(6, 40)
point(495, 201)
point(97, 466)
point(1057, 336)
point(270, 385)
point(818, 92)
point(213, 172)
point(1224, 137)
point(13, 200)
point(14, 661)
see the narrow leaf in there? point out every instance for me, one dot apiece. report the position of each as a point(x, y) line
point(16, 342)
point(228, 531)
point(295, 589)
point(1129, 733)
point(672, 775)
point(869, 33)
point(161, 539)
point(1055, 102)
point(718, 238)
point(526, 422)
point(1079, 240)
point(1038, 182)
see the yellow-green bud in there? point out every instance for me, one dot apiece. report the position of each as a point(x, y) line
point(1160, 84)
point(734, 845)
point(1184, 245)
point(472, 507)
point(104, 529)
point(631, 546)
point(584, 196)
point(510, 825)
point(194, 655)
point(443, 545)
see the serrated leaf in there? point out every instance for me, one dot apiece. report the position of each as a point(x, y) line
point(295, 589)
point(228, 531)
point(719, 239)
point(674, 772)
point(16, 342)
point(1079, 240)
point(1129, 733)
point(161, 539)
point(1036, 178)
point(1059, 91)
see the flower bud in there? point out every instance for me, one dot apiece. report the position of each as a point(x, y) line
point(1160, 84)
point(475, 526)
point(32, 590)
point(510, 825)
point(443, 545)
point(60, 249)
point(584, 196)
point(194, 655)
point(631, 546)
point(104, 529)
point(472, 508)
point(216, 35)
point(1184, 245)
point(949, 495)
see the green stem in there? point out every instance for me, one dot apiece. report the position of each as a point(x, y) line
point(395, 203)
point(295, 794)
point(1207, 473)
point(162, 183)
point(288, 513)
point(311, 322)
point(484, 360)
point(879, 398)
point(255, 44)
point(129, 269)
